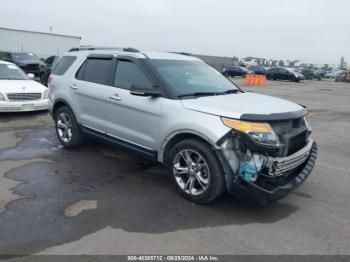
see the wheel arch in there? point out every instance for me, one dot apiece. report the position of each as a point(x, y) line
point(58, 104)
point(178, 136)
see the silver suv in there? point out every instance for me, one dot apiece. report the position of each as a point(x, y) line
point(181, 112)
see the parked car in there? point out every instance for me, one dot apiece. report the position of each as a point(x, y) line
point(258, 70)
point(321, 73)
point(51, 61)
point(308, 74)
point(179, 111)
point(18, 92)
point(282, 73)
point(333, 74)
point(343, 77)
point(29, 62)
point(237, 71)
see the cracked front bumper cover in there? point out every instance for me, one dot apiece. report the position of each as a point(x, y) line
point(253, 192)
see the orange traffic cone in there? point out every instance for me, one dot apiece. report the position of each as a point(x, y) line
point(247, 79)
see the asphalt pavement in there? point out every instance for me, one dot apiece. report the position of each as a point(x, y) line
point(99, 199)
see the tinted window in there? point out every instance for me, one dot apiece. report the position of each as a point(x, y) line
point(129, 73)
point(5, 56)
point(96, 71)
point(49, 60)
point(63, 64)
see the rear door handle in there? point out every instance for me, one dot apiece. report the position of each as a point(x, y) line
point(115, 97)
point(73, 86)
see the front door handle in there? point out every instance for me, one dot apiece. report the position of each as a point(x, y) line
point(73, 86)
point(115, 97)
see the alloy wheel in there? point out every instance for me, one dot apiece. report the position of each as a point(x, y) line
point(191, 172)
point(64, 127)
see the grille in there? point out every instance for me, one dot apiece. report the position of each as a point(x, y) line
point(23, 96)
point(292, 133)
point(296, 143)
point(282, 165)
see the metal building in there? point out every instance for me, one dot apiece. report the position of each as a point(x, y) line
point(42, 44)
point(218, 62)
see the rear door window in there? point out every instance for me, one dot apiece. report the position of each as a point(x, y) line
point(129, 73)
point(63, 64)
point(98, 71)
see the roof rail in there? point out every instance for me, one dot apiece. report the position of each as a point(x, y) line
point(182, 53)
point(86, 48)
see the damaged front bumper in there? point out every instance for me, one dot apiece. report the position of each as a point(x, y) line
point(283, 175)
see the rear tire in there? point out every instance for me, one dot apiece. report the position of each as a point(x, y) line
point(68, 131)
point(196, 171)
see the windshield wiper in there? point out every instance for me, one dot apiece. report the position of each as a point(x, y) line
point(200, 94)
point(231, 91)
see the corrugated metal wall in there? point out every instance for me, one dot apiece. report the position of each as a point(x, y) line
point(42, 44)
point(218, 62)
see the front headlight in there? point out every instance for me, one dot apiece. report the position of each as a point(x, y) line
point(46, 94)
point(307, 123)
point(2, 98)
point(260, 132)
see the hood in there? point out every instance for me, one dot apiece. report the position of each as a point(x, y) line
point(21, 86)
point(236, 105)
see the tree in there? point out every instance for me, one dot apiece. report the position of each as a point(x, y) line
point(325, 67)
point(281, 63)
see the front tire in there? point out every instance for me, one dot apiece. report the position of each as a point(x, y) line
point(196, 171)
point(67, 129)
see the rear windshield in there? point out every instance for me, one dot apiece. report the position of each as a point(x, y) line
point(63, 64)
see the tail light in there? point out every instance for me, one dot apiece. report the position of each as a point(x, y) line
point(49, 79)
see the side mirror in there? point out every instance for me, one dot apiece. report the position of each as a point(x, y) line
point(139, 91)
point(31, 76)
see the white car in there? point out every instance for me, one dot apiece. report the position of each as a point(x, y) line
point(19, 92)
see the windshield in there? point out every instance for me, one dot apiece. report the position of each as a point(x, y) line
point(11, 72)
point(24, 56)
point(189, 77)
point(292, 70)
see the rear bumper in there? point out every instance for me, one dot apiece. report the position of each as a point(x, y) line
point(253, 192)
point(24, 106)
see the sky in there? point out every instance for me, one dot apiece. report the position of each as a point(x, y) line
point(315, 31)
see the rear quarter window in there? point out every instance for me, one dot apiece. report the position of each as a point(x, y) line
point(63, 65)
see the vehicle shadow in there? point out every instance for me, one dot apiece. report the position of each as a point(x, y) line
point(131, 194)
point(10, 116)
